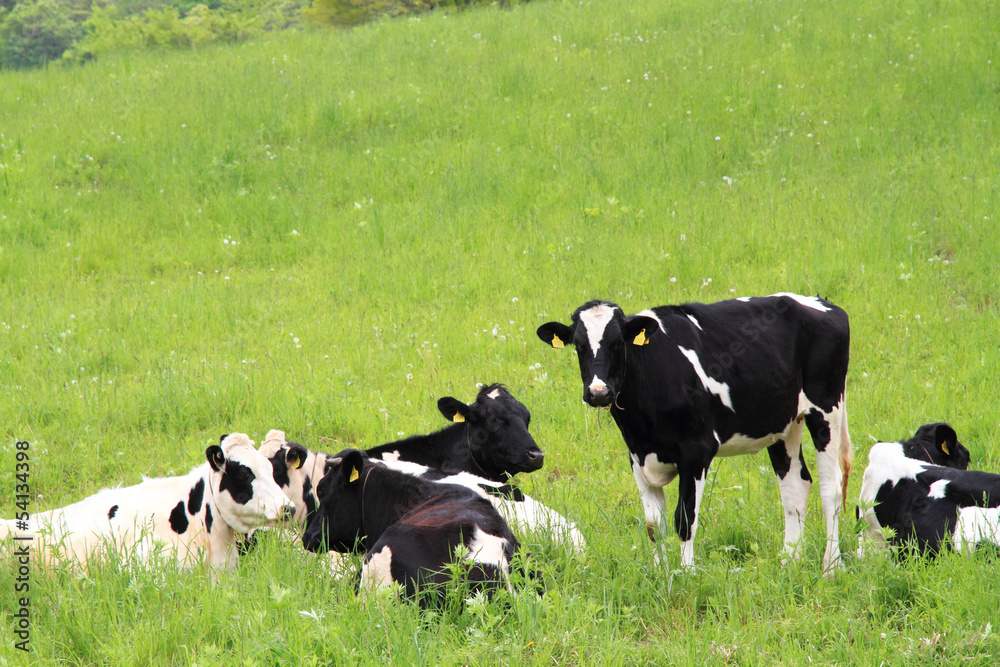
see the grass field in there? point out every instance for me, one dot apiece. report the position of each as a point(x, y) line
point(326, 232)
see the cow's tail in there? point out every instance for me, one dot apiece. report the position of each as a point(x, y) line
point(846, 455)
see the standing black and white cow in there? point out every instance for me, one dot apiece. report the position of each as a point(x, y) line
point(194, 518)
point(410, 529)
point(926, 503)
point(691, 382)
point(489, 439)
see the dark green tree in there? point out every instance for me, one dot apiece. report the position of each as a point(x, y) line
point(35, 32)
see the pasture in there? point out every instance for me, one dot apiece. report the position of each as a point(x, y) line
point(326, 232)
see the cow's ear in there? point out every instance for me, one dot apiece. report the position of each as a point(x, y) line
point(640, 329)
point(216, 458)
point(351, 465)
point(222, 438)
point(453, 409)
point(295, 456)
point(556, 334)
point(946, 439)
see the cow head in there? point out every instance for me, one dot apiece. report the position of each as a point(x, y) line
point(338, 523)
point(296, 470)
point(496, 432)
point(601, 333)
point(243, 485)
point(937, 443)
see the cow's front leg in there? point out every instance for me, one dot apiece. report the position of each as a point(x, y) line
point(692, 486)
point(650, 478)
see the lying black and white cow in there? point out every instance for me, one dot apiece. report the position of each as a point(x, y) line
point(194, 518)
point(410, 529)
point(691, 382)
point(929, 504)
point(298, 471)
point(489, 439)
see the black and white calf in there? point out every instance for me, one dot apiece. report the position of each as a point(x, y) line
point(410, 529)
point(691, 382)
point(194, 518)
point(927, 503)
point(298, 470)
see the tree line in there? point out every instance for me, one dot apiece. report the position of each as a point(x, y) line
point(36, 32)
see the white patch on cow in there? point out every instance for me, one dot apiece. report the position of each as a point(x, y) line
point(494, 394)
point(595, 320)
point(807, 301)
point(720, 389)
point(597, 384)
point(656, 472)
point(377, 572)
point(486, 548)
point(391, 456)
point(652, 315)
point(692, 318)
point(975, 525)
point(937, 489)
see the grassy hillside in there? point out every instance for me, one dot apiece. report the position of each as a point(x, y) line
point(325, 232)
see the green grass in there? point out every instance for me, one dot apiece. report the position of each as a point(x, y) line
point(325, 232)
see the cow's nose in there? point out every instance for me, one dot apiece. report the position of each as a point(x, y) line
point(287, 512)
point(536, 459)
point(598, 395)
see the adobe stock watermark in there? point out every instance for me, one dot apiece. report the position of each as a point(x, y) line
point(22, 576)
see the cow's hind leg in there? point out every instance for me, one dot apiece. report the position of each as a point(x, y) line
point(794, 482)
point(833, 446)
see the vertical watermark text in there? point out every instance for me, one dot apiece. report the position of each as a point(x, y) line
point(22, 578)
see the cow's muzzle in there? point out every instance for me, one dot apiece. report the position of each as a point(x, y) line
point(534, 460)
point(598, 397)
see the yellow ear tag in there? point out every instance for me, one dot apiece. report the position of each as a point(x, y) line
point(296, 463)
point(944, 448)
point(557, 343)
point(641, 339)
point(458, 418)
point(354, 475)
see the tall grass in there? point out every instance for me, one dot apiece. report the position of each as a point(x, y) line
point(325, 232)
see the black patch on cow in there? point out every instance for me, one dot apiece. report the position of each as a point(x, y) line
point(208, 518)
point(112, 512)
point(508, 491)
point(307, 496)
point(804, 471)
point(780, 460)
point(246, 543)
point(279, 468)
point(238, 481)
point(178, 519)
point(819, 429)
point(196, 496)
